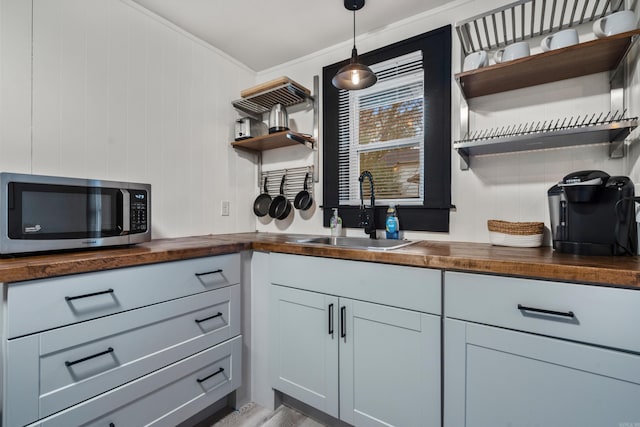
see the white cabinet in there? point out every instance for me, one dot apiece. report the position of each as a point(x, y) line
point(389, 366)
point(366, 363)
point(71, 299)
point(304, 352)
point(531, 353)
point(156, 316)
point(163, 398)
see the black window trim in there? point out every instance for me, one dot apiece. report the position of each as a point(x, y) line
point(433, 215)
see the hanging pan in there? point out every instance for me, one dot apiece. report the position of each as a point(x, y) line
point(262, 202)
point(280, 206)
point(303, 200)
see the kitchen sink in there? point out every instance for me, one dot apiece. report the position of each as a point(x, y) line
point(355, 243)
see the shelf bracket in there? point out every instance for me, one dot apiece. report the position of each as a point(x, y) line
point(617, 83)
point(259, 162)
point(464, 126)
point(465, 160)
point(617, 149)
point(316, 133)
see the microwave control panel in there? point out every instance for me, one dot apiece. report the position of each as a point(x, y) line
point(139, 202)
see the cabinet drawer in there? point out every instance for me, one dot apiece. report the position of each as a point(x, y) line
point(399, 286)
point(83, 360)
point(165, 397)
point(43, 304)
point(592, 314)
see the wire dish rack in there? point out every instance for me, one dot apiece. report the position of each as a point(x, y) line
point(526, 19)
point(287, 94)
point(594, 128)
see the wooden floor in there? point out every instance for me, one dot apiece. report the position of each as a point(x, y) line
point(253, 415)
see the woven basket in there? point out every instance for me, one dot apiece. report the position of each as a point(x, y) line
point(516, 228)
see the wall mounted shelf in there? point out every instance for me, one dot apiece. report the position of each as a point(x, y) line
point(524, 20)
point(574, 61)
point(613, 132)
point(258, 100)
point(270, 142)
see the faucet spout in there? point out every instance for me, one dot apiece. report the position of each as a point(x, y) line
point(368, 221)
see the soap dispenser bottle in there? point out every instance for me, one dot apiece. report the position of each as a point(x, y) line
point(392, 224)
point(336, 224)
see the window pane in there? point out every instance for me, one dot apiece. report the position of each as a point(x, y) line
point(396, 172)
point(390, 122)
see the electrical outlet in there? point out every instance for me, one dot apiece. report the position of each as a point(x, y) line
point(224, 208)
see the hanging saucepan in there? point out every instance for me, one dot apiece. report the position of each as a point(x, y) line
point(262, 202)
point(280, 207)
point(303, 200)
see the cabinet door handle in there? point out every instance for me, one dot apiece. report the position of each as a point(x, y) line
point(569, 314)
point(209, 272)
point(108, 291)
point(343, 321)
point(208, 318)
point(93, 356)
point(331, 319)
point(219, 371)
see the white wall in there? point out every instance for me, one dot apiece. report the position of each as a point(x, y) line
point(115, 92)
point(510, 186)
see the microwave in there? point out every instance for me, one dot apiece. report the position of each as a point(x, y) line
point(49, 213)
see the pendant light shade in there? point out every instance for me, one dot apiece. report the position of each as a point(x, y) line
point(354, 76)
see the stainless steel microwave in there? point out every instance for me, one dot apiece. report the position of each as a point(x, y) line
point(46, 213)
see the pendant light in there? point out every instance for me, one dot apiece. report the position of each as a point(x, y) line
point(354, 76)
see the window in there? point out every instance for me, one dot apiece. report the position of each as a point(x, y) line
point(381, 129)
point(399, 129)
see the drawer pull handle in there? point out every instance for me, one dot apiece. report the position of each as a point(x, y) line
point(209, 272)
point(544, 311)
point(331, 320)
point(208, 318)
point(219, 371)
point(93, 356)
point(108, 291)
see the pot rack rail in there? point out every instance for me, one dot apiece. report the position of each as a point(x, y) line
point(293, 183)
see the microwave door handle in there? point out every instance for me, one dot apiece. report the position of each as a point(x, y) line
point(126, 211)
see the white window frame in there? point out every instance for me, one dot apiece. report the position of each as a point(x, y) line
point(355, 148)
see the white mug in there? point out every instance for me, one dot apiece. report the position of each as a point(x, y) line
point(475, 60)
point(511, 52)
point(616, 23)
point(559, 40)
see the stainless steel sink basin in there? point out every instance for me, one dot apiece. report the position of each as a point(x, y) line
point(355, 243)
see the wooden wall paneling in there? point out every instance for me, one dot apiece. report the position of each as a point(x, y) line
point(15, 85)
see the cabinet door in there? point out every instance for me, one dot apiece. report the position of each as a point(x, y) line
point(389, 366)
point(499, 377)
point(304, 346)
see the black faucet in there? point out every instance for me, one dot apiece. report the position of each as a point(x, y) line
point(368, 221)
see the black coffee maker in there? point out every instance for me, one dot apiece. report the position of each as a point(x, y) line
point(593, 213)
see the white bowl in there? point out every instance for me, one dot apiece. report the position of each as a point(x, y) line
point(502, 239)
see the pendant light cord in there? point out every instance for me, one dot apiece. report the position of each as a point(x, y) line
point(354, 28)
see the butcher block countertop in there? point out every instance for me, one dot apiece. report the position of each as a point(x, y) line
point(542, 263)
